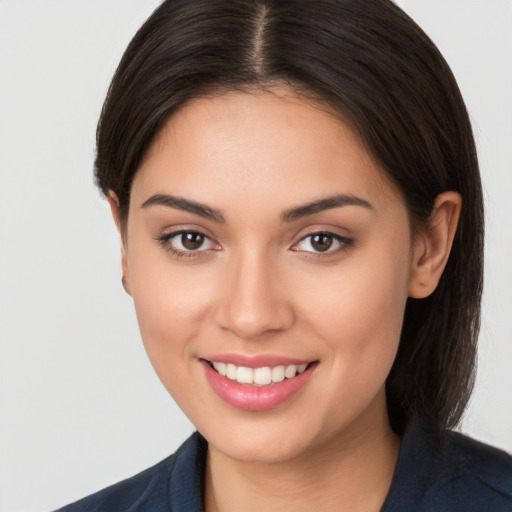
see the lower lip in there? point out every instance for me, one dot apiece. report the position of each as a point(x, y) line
point(255, 398)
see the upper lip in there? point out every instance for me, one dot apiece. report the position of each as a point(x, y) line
point(255, 361)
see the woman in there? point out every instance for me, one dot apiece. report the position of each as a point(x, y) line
point(297, 193)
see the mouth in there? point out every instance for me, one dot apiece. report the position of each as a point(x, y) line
point(259, 384)
point(262, 376)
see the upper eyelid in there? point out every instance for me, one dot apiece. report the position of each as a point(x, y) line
point(322, 232)
point(335, 228)
point(172, 234)
point(180, 231)
point(344, 241)
point(171, 231)
point(336, 236)
point(335, 232)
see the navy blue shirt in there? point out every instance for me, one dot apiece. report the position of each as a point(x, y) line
point(437, 471)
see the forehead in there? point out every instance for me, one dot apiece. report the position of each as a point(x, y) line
point(273, 145)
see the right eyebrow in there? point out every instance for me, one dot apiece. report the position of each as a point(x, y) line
point(186, 205)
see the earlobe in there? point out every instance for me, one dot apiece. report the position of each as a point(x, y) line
point(115, 208)
point(433, 245)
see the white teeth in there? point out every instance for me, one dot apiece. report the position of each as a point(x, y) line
point(262, 376)
point(244, 375)
point(258, 376)
point(231, 371)
point(221, 368)
point(278, 373)
point(290, 371)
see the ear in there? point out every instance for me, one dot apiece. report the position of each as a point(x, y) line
point(115, 208)
point(432, 246)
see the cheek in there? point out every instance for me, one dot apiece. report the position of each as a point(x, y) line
point(171, 303)
point(359, 316)
point(360, 327)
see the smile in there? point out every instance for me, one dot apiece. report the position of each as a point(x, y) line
point(263, 376)
point(259, 384)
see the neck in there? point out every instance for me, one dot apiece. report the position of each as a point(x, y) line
point(352, 471)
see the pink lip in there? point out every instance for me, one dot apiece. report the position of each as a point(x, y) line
point(258, 361)
point(255, 398)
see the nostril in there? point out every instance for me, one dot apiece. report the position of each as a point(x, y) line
point(251, 321)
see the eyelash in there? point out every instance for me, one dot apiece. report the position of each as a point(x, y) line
point(344, 244)
point(166, 242)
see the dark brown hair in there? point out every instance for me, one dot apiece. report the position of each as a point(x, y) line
point(372, 64)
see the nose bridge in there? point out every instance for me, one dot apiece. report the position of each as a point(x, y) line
point(252, 302)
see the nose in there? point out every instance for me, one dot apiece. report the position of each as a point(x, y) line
point(254, 298)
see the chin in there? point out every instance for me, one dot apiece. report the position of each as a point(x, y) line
point(250, 450)
point(261, 439)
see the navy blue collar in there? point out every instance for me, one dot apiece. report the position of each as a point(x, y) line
point(187, 478)
point(437, 470)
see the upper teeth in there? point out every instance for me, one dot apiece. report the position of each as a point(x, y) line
point(258, 376)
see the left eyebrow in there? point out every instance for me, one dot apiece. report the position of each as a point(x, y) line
point(326, 203)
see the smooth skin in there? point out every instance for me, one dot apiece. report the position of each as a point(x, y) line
point(239, 276)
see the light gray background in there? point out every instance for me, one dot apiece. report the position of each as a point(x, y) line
point(80, 406)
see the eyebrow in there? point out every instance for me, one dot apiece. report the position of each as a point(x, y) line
point(186, 205)
point(326, 203)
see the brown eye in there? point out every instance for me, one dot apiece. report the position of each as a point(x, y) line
point(192, 241)
point(321, 242)
point(187, 243)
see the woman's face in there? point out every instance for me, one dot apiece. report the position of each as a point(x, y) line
point(262, 237)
